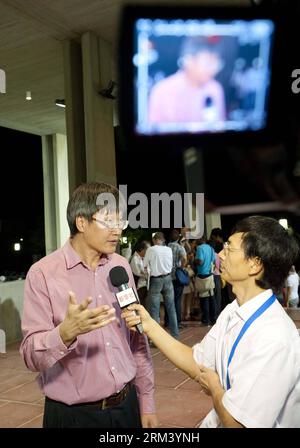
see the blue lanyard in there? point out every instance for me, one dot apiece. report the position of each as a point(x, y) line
point(246, 325)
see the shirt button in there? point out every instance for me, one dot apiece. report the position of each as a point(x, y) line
point(113, 368)
point(118, 391)
point(107, 343)
point(100, 297)
point(62, 353)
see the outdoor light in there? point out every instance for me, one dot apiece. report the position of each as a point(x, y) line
point(28, 95)
point(21, 239)
point(284, 223)
point(17, 247)
point(60, 103)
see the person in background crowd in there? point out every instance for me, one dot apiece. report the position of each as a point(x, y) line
point(292, 285)
point(187, 244)
point(138, 270)
point(216, 239)
point(179, 260)
point(222, 293)
point(159, 260)
point(189, 290)
point(218, 285)
point(205, 262)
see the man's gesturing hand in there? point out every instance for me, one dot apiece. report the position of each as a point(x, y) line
point(79, 319)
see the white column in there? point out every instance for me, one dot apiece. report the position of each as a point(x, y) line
point(56, 190)
point(49, 194)
point(61, 181)
point(212, 220)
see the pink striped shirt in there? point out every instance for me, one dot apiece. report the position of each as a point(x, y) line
point(97, 364)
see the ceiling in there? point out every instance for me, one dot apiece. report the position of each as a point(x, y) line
point(31, 35)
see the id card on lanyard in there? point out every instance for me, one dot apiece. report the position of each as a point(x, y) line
point(245, 327)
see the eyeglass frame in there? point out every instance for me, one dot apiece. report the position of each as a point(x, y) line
point(107, 227)
point(227, 248)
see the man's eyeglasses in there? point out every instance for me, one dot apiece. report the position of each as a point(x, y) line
point(110, 224)
point(227, 247)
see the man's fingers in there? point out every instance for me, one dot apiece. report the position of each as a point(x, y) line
point(100, 310)
point(72, 298)
point(103, 322)
point(85, 304)
point(106, 314)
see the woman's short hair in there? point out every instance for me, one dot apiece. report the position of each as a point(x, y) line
point(141, 245)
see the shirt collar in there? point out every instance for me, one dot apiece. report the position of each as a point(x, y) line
point(137, 255)
point(248, 308)
point(73, 259)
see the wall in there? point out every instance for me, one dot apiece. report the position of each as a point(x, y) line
point(11, 308)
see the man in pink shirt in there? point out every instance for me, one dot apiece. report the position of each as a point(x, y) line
point(92, 370)
point(191, 95)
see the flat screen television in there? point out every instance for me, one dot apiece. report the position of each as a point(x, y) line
point(195, 71)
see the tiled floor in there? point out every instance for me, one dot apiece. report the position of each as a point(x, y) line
point(180, 401)
point(21, 402)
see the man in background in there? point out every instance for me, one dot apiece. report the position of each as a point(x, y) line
point(138, 270)
point(292, 285)
point(205, 285)
point(179, 261)
point(159, 260)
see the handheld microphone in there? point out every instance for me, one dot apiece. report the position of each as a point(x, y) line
point(126, 295)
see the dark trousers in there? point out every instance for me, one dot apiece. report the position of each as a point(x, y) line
point(208, 306)
point(178, 290)
point(124, 415)
point(142, 293)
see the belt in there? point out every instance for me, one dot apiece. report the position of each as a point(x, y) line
point(159, 276)
point(105, 403)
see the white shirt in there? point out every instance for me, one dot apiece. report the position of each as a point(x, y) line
point(138, 268)
point(265, 370)
point(159, 259)
point(293, 282)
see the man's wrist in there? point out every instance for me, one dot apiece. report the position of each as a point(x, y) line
point(66, 338)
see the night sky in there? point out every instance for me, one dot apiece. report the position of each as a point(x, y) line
point(22, 209)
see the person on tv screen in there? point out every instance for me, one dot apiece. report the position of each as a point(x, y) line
point(192, 94)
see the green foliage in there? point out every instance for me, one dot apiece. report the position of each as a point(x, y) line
point(135, 235)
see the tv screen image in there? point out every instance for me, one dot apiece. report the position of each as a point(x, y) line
point(201, 76)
